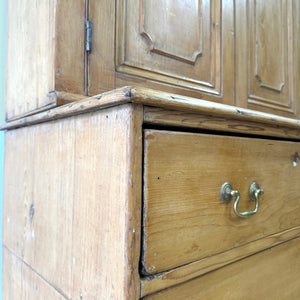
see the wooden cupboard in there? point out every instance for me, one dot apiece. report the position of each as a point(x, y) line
point(118, 196)
point(243, 53)
point(118, 159)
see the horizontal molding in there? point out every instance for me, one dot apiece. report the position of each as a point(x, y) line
point(179, 275)
point(158, 99)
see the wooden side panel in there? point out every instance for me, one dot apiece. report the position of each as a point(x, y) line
point(20, 282)
point(30, 56)
point(101, 71)
point(72, 198)
point(270, 64)
point(177, 43)
point(184, 217)
point(69, 46)
point(271, 274)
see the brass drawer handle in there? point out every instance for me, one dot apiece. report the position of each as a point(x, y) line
point(227, 192)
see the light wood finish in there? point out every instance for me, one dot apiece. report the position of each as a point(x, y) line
point(183, 49)
point(184, 217)
point(21, 282)
point(267, 47)
point(274, 125)
point(165, 117)
point(271, 274)
point(72, 195)
point(101, 65)
point(69, 46)
point(30, 56)
point(67, 98)
point(42, 54)
point(152, 284)
point(224, 52)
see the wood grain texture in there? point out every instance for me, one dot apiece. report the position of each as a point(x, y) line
point(161, 116)
point(30, 56)
point(184, 217)
point(152, 284)
point(271, 274)
point(267, 67)
point(72, 194)
point(21, 282)
point(69, 46)
point(101, 64)
point(147, 97)
point(187, 53)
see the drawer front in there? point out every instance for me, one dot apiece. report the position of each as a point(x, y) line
point(271, 274)
point(184, 217)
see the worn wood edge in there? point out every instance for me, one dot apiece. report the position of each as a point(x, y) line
point(134, 203)
point(182, 103)
point(26, 265)
point(176, 118)
point(156, 99)
point(108, 99)
point(155, 283)
point(52, 103)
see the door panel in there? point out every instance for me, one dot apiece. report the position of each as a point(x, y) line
point(174, 42)
point(268, 67)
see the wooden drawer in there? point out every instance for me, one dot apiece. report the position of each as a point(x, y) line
point(271, 274)
point(184, 218)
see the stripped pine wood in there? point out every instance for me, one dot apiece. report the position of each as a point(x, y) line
point(21, 282)
point(175, 110)
point(69, 46)
point(272, 273)
point(184, 217)
point(30, 51)
point(150, 285)
point(84, 173)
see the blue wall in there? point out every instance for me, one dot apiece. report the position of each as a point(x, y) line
point(3, 9)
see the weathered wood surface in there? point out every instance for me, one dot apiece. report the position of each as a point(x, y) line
point(184, 217)
point(271, 274)
point(71, 207)
point(150, 285)
point(21, 282)
point(186, 48)
point(44, 54)
point(69, 46)
point(276, 125)
point(30, 56)
point(183, 119)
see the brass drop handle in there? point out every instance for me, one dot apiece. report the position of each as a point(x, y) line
point(227, 193)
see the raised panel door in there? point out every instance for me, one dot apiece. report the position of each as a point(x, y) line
point(176, 42)
point(267, 59)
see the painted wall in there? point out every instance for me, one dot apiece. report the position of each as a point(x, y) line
point(3, 9)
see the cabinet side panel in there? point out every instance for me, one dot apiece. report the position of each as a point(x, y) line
point(20, 282)
point(76, 205)
point(30, 56)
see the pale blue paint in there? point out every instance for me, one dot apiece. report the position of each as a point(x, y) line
point(3, 10)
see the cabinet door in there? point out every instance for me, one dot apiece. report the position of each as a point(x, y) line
point(178, 43)
point(267, 55)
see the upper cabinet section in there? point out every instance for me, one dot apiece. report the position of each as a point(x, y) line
point(244, 52)
point(44, 53)
point(268, 55)
point(176, 42)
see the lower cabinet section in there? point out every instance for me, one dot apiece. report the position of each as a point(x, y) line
point(270, 274)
